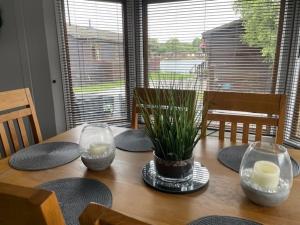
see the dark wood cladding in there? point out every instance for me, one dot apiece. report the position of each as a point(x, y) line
point(232, 64)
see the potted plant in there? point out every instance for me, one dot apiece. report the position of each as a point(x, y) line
point(173, 124)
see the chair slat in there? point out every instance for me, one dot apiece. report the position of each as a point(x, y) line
point(204, 120)
point(13, 134)
point(23, 132)
point(242, 118)
point(258, 132)
point(280, 130)
point(245, 133)
point(233, 132)
point(245, 102)
point(222, 130)
point(4, 140)
point(13, 99)
point(15, 114)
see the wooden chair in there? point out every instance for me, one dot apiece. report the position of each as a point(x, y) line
point(96, 214)
point(30, 206)
point(272, 105)
point(14, 106)
point(150, 96)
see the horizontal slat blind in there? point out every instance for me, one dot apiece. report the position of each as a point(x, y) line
point(289, 70)
point(229, 45)
point(223, 46)
point(92, 55)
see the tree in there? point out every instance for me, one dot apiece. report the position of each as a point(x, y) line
point(173, 44)
point(154, 45)
point(260, 20)
point(196, 42)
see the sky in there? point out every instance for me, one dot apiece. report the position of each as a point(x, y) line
point(184, 20)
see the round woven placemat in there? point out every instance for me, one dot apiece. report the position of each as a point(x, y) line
point(223, 220)
point(232, 156)
point(74, 194)
point(45, 156)
point(134, 141)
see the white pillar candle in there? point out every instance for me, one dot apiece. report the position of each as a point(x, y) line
point(266, 174)
point(98, 149)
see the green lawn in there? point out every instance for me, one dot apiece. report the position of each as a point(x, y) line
point(169, 76)
point(98, 87)
point(119, 83)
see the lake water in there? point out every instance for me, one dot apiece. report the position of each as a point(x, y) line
point(179, 65)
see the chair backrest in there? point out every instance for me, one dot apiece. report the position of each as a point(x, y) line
point(96, 214)
point(14, 106)
point(151, 96)
point(271, 105)
point(28, 206)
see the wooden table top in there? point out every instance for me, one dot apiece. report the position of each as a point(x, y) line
point(223, 195)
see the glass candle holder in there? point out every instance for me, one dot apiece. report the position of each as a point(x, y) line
point(98, 146)
point(266, 173)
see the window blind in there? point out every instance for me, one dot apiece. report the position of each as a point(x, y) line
point(217, 41)
point(288, 80)
point(92, 56)
point(232, 45)
point(134, 20)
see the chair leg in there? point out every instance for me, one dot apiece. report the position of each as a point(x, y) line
point(222, 131)
point(134, 121)
point(203, 128)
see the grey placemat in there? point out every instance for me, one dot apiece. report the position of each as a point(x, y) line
point(232, 156)
point(45, 156)
point(223, 220)
point(134, 141)
point(74, 194)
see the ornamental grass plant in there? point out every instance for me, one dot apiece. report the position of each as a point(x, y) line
point(172, 120)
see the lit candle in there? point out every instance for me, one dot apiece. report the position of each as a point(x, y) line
point(266, 174)
point(98, 149)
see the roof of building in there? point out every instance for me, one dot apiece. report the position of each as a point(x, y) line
point(231, 25)
point(88, 32)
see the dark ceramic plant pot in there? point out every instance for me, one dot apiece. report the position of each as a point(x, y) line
point(174, 171)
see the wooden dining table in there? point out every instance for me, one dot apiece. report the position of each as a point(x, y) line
point(131, 196)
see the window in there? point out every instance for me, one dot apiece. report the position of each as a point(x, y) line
point(219, 45)
point(225, 45)
point(92, 55)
